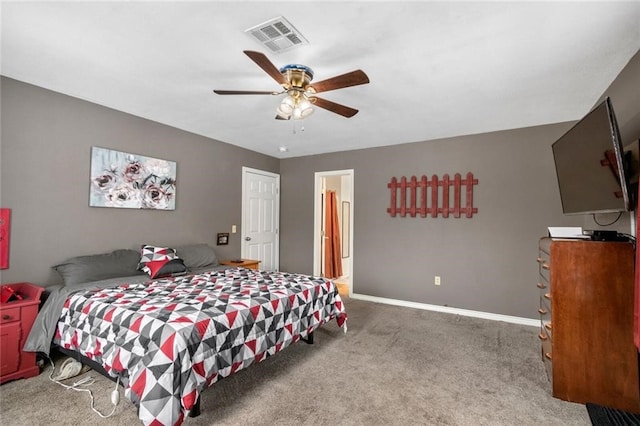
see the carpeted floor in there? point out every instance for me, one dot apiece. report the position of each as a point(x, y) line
point(395, 365)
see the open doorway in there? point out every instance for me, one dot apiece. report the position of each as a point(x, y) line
point(334, 189)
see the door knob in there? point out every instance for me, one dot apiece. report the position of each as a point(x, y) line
point(247, 238)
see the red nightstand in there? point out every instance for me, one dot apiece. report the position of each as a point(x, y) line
point(16, 319)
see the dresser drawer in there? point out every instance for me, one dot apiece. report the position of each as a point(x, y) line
point(543, 284)
point(544, 267)
point(8, 315)
point(545, 316)
point(545, 353)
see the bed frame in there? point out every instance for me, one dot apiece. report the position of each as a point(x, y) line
point(195, 410)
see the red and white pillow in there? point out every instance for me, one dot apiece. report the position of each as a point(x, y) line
point(160, 262)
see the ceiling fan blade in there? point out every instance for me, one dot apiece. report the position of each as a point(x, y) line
point(279, 117)
point(353, 78)
point(244, 92)
point(344, 111)
point(263, 62)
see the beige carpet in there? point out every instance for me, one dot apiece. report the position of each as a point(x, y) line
point(395, 365)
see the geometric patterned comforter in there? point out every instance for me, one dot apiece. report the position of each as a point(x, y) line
point(169, 339)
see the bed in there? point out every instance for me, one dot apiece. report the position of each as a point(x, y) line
point(167, 339)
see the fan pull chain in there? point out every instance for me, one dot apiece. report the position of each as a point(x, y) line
point(294, 127)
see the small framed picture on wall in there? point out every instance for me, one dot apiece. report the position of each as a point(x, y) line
point(223, 239)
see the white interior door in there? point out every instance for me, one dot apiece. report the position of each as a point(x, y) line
point(260, 217)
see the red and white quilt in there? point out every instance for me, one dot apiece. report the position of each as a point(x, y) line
point(174, 337)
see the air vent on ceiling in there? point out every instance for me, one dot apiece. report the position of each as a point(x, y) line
point(277, 35)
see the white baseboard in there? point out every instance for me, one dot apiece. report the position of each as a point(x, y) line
point(446, 309)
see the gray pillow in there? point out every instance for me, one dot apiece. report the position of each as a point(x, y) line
point(197, 255)
point(84, 269)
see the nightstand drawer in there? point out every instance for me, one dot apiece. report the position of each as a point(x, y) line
point(8, 315)
point(245, 263)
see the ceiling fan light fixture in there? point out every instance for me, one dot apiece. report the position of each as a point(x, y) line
point(294, 105)
point(303, 109)
point(287, 106)
point(300, 96)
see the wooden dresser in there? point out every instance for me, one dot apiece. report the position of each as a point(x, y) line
point(586, 321)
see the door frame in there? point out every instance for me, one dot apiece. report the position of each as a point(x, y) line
point(243, 225)
point(317, 220)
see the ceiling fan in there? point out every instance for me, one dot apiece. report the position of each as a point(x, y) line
point(295, 80)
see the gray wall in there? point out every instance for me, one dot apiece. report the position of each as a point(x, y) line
point(624, 92)
point(45, 159)
point(487, 263)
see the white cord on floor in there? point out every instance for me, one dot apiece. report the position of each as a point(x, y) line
point(88, 381)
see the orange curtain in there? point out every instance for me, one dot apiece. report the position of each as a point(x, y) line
point(332, 252)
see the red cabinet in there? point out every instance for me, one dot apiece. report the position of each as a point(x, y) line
point(16, 319)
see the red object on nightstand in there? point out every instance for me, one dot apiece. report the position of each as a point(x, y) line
point(16, 319)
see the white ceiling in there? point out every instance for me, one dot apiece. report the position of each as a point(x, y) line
point(437, 69)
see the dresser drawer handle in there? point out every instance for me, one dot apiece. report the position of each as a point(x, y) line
point(547, 355)
point(542, 285)
point(545, 265)
point(547, 296)
point(539, 260)
point(548, 326)
point(543, 311)
point(6, 317)
point(542, 336)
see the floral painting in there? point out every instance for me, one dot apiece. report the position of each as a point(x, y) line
point(120, 179)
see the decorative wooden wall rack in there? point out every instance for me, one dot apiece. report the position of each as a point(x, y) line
point(610, 160)
point(437, 191)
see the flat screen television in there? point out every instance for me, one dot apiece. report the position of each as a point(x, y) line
point(590, 165)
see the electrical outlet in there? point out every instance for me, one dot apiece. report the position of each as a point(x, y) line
point(436, 280)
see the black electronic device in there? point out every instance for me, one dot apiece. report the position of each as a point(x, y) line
point(591, 166)
point(605, 235)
